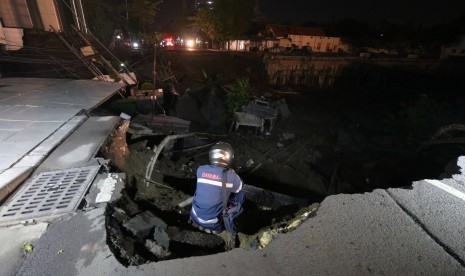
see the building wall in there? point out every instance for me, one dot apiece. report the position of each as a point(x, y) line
point(15, 14)
point(325, 72)
point(49, 15)
point(12, 38)
point(263, 44)
point(317, 43)
point(456, 50)
point(238, 45)
point(37, 14)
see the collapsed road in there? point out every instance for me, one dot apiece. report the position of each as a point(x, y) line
point(148, 221)
point(286, 174)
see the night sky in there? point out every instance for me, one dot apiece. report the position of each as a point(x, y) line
point(300, 11)
point(427, 12)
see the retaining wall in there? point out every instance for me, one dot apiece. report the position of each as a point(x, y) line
point(327, 72)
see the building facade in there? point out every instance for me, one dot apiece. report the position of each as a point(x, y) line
point(454, 50)
point(313, 39)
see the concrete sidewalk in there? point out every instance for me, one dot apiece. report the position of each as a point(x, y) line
point(36, 115)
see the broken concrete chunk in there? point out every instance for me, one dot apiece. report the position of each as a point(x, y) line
point(141, 225)
point(106, 188)
point(124, 116)
point(120, 214)
point(247, 119)
point(159, 251)
point(267, 237)
point(110, 188)
point(288, 135)
point(160, 236)
point(261, 111)
point(172, 123)
point(139, 130)
point(195, 238)
point(249, 163)
point(283, 108)
point(186, 202)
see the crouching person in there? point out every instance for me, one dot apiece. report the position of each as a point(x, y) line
point(219, 196)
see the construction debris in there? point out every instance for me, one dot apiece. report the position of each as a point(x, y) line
point(107, 187)
point(142, 224)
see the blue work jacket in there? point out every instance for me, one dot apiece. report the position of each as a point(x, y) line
point(207, 206)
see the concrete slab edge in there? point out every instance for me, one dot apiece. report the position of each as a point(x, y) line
point(119, 90)
point(115, 121)
point(12, 177)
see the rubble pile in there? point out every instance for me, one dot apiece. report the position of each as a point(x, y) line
point(151, 221)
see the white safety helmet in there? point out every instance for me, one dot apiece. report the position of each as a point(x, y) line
point(221, 154)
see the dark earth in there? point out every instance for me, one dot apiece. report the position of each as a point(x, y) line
point(335, 140)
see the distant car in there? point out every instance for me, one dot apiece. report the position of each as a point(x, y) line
point(167, 42)
point(135, 45)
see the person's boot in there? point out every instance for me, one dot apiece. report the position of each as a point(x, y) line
point(233, 240)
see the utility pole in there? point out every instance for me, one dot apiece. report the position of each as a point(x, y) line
point(154, 65)
point(127, 12)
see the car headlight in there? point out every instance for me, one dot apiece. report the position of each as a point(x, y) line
point(190, 43)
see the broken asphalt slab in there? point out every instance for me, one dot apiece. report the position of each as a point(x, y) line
point(349, 235)
point(107, 187)
point(142, 224)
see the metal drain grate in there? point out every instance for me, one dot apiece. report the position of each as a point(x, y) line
point(49, 194)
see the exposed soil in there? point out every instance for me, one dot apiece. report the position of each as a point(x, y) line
point(334, 141)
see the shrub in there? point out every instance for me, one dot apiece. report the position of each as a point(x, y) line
point(146, 86)
point(237, 95)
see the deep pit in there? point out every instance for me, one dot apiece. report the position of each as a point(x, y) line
point(345, 139)
point(320, 150)
point(150, 222)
